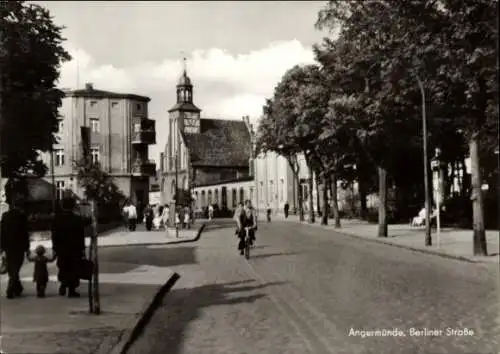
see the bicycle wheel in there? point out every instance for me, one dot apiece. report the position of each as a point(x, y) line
point(247, 248)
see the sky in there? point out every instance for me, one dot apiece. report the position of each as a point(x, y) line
point(236, 51)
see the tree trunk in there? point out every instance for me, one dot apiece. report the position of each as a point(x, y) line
point(324, 217)
point(362, 199)
point(311, 199)
point(300, 200)
point(318, 197)
point(382, 203)
point(479, 234)
point(335, 202)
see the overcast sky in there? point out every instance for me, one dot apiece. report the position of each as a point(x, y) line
point(236, 51)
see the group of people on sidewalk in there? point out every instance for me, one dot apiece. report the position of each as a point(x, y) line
point(68, 248)
point(156, 217)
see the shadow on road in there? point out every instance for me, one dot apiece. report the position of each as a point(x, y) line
point(268, 255)
point(160, 257)
point(167, 329)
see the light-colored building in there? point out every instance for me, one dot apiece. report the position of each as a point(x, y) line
point(120, 135)
point(203, 158)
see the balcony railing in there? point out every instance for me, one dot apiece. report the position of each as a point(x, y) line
point(144, 137)
point(144, 168)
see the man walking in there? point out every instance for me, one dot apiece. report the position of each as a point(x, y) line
point(68, 242)
point(287, 208)
point(132, 217)
point(15, 242)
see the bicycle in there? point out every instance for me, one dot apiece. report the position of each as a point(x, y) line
point(248, 241)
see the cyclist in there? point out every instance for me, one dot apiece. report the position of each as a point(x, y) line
point(247, 218)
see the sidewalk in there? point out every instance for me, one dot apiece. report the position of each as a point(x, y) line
point(453, 243)
point(123, 237)
point(61, 325)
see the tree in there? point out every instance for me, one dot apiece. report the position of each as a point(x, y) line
point(31, 54)
point(272, 135)
point(99, 186)
point(449, 47)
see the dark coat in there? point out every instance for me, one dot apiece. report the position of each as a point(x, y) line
point(14, 234)
point(68, 235)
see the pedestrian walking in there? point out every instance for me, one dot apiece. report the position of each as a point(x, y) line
point(40, 271)
point(187, 217)
point(158, 218)
point(68, 243)
point(148, 217)
point(286, 209)
point(132, 217)
point(210, 212)
point(125, 214)
point(268, 213)
point(166, 216)
point(14, 244)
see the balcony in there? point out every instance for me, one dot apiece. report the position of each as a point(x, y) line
point(144, 168)
point(144, 132)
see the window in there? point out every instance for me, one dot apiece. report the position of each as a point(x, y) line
point(59, 158)
point(93, 103)
point(94, 125)
point(138, 106)
point(114, 104)
point(137, 127)
point(251, 193)
point(59, 189)
point(95, 154)
point(261, 190)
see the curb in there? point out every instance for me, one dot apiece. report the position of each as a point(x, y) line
point(188, 240)
point(381, 240)
point(137, 323)
point(411, 248)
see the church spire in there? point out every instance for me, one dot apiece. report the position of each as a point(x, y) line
point(184, 86)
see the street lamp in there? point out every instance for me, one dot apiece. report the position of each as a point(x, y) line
point(428, 238)
point(436, 168)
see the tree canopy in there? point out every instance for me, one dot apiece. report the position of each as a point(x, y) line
point(31, 54)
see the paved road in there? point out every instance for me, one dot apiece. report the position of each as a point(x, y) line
point(305, 289)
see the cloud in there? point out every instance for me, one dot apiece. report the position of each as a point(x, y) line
point(226, 85)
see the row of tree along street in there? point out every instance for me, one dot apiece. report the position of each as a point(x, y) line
point(389, 68)
point(31, 54)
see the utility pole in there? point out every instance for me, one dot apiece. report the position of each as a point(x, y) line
point(428, 237)
point(94, 299)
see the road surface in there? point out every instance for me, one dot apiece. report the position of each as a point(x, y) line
point(309, 290)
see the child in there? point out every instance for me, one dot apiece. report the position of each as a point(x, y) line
point(40, 272)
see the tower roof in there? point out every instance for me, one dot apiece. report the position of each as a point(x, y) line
point(184, 80)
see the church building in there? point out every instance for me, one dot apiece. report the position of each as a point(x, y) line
point(205, 159)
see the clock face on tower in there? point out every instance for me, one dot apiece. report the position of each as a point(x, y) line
point(191, 122)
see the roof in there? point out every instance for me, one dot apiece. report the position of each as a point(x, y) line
point(219, 143)
point(184, 80)
point(90, 92)
point(185, 106)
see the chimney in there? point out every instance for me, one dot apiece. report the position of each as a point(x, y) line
point(161, 161)
point(89, 86)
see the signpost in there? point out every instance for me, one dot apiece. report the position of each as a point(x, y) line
point(94, 300)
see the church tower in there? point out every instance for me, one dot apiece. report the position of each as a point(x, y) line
point(184, 115)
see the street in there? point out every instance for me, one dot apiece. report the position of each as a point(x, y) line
point(307, 290)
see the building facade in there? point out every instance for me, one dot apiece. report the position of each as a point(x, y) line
point(202, 154)
point(120, 135)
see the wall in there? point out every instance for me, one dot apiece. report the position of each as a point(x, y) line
point(244, 190)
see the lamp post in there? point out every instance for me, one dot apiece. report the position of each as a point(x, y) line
point(436, 168)
point(428, 238)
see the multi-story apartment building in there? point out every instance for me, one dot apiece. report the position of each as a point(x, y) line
point(120, 135)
